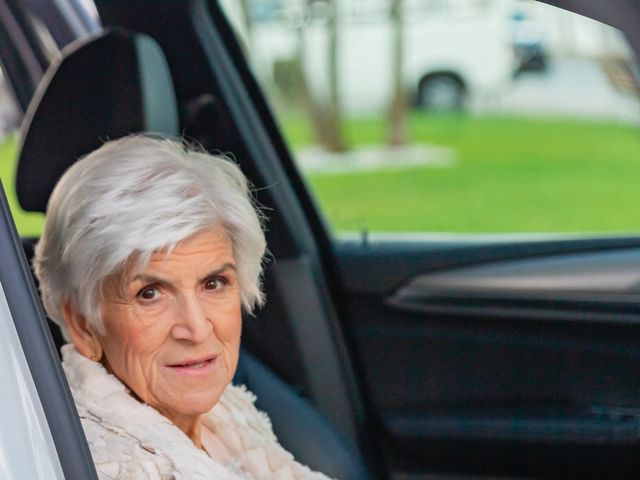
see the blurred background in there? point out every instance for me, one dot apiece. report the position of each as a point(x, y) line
point(442, 116)
point(452, 115)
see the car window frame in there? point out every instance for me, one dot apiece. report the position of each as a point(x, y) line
point(40, 352)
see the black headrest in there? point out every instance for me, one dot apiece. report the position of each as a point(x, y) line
point(102, 88)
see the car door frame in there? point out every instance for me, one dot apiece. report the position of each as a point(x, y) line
point(45, 370)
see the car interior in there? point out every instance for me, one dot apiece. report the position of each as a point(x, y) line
point(374, 359)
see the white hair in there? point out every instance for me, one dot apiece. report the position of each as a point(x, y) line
point(132, 197)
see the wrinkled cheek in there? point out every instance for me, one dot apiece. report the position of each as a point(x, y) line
point(130, 367)
point(123, 334)
point(228, 330)
point(164, 391)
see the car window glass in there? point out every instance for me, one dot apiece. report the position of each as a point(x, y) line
point(469, 116)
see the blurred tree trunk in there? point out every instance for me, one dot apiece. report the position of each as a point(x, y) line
point(398, 109)
point(335, 138)
point(314, 111)
point(323, 110)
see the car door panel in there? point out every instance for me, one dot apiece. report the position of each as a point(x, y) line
point(585, 286)
point(496, 365)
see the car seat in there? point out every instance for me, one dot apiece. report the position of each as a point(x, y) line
point(116, 83)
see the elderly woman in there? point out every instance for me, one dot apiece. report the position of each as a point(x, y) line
point(149, 254)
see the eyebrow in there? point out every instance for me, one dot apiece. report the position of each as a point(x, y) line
point(147, 278)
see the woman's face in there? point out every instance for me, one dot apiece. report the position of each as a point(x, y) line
point(173, 328)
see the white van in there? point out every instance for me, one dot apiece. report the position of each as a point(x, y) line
point(456, 52)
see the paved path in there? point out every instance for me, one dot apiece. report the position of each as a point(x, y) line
point(574, 87)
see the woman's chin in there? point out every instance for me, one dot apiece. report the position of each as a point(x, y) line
point(192, 395)
point(197, 402)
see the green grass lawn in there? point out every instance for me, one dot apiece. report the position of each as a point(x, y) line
point(510, 175)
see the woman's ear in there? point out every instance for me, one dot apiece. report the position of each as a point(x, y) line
point(84, 338)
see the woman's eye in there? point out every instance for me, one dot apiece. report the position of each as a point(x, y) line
point(149, 293)
point(215, 283)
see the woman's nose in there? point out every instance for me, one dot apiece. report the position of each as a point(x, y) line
point(192, 319)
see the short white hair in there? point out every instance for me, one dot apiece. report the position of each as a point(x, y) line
point(132, 197)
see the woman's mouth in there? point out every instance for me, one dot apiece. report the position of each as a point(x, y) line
point(195, 366)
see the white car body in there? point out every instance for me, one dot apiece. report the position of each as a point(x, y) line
point(466, 39)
